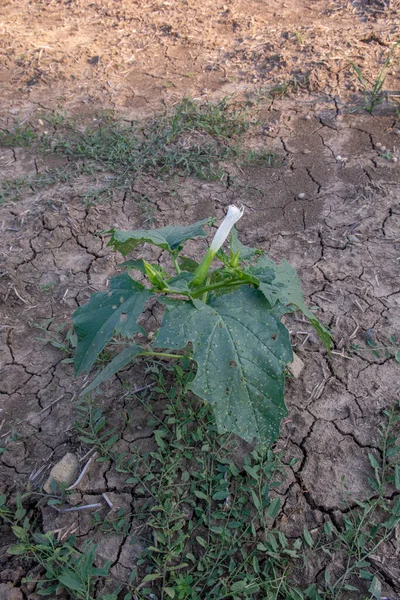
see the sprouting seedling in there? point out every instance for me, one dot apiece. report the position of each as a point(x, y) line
point(224, 311)
point(373, 93)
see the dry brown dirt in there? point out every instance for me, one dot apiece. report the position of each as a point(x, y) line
point(342, 235)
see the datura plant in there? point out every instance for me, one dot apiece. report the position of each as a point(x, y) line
point(228, 318)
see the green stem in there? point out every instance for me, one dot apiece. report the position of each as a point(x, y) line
point(205, 295)
point(160, 354)
point(177, 267)
point(214, 286)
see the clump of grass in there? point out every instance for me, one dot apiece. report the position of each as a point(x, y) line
point(373, 92)
point(191, 140)
point(206, 514)
point(20, 137)
point(11, 189)
point(64, 568)
point(212, 523)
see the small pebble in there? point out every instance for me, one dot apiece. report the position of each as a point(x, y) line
point(296, 367)
point(396, 131)
point(395, 159)
point(301, 196)
point(63, 472)
point(339, 158)
point(383, 148)
point(307, 118)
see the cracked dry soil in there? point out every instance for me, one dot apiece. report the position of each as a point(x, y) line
point(341, 234)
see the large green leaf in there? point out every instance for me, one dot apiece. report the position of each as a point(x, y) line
point(285, 288)
point(169, 238)
point(241, 349)
point(105, 313)
point(122, 360)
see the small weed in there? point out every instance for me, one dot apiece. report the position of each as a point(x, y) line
point(11, 189)
point(64, 568)
point(191, 140)
point(387, 155)
point(20, 137)
point(46, 287)
point(373, 92)
point(291, 86)
point(64, 342)
point(163, 146)
point(257, 156)
point(390, 350)
point(366, 529)
point(299, 37)
point(211, 522)
point(207, 515)
point(56, 118)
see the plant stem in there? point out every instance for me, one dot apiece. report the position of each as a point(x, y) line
point(160, 354)
point(214, 286)
point(177, 267)
point(205, 295)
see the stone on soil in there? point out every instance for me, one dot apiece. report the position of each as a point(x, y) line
point(296, 367)
point(9, 592)
point(64, 472)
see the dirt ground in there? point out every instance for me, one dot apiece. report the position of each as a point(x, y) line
point(331, 208)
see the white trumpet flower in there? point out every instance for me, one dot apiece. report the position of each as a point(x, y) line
point(232, 216)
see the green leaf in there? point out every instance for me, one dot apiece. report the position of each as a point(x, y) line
point(286, 289)
point(107, 313)
point(397, 477)
point(238, 586)
point(70, 580)
point(312, 592)
point(201, 541)
point(137, 264)
point(122, 360)
point(365, 575)
point(252, 471)
point(169, 238)
point(350, 588)
point(308, 538)
point(273, 508)
point(236, 246)
point(256, 500)
point(19, 532)
point(373, 462)
point(241, 349)
point(396, 507)
point(169, 591)
point(152, 577)
point(221, 495)
point(17, 549)
point(180, 283)
point(188, 264)
point(200, 495)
